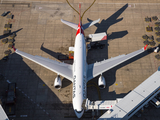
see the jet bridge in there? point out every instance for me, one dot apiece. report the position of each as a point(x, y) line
point(100, 104)
point(135, 100)
point(95, 106)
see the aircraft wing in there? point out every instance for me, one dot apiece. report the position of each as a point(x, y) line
point(58, 67)
point(98, 68)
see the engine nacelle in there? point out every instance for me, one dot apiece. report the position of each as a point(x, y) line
point(101, 82)
point(57, 82)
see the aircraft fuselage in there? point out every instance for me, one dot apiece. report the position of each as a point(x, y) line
point(79, 74)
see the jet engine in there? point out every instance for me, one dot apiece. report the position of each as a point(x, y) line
point(57, 82)
point(101, 82)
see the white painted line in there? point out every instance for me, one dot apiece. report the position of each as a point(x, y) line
point(8, 81)
point(35, 1)
point(23, 115)
point(113, 3)
point(133, 3)
point(28, 98)
point(12, 116)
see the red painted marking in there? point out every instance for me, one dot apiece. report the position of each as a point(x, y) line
point(145, 47)
point(104, 38)
point(80, 30)
point(79, 5)
point(14, 48)
point(111, 105)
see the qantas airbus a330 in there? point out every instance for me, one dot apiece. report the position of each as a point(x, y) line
point(80, 72)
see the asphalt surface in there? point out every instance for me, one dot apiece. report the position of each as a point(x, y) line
point(39, 31)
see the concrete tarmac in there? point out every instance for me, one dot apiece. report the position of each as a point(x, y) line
point(40, 32)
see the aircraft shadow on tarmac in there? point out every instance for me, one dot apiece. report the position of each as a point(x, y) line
point(110, 74)
point(16, 70)
point(50, 52)
point(93, 55)
point(65, 82)
point(103, 27)
point(4, 36)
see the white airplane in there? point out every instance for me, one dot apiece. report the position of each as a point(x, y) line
point(80, 72)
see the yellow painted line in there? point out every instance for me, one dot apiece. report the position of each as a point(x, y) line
point(72, 7)
point(84, 11)
point(88, 9)
point(99, 94)
point(9, 109)
point(95, 85)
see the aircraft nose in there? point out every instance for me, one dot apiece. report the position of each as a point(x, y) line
point(79, 113)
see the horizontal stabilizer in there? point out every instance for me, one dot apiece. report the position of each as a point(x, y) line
point(97, 37)
point(87, 25)
point(73, 25)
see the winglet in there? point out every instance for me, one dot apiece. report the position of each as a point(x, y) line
point(14, 48)
point(145, 47)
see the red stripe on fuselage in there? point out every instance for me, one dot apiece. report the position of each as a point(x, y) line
point(80, 30)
